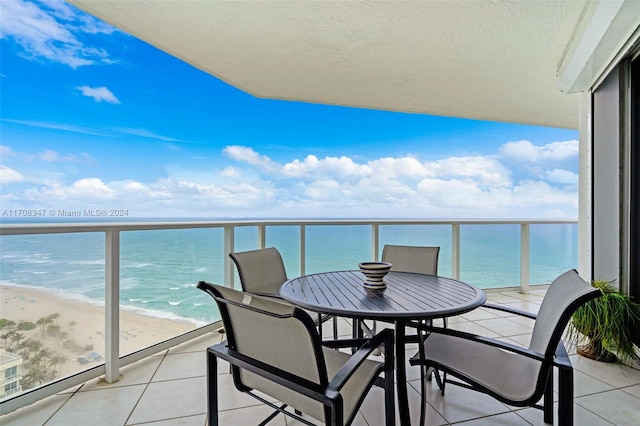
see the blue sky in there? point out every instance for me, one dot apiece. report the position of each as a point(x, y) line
point(93, 118)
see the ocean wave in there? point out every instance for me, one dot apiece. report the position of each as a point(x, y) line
point(163, 315)
point(96, 302)
point(35, 261)
point(174, 288)
point(137, 265)
point(87, 262)
point(174, 303)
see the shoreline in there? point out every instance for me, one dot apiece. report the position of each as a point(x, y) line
point(78, 331)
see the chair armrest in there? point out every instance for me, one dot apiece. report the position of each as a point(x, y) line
point(346, 371)
point(510, 310)
point(562, 359)
point(282, 377)
point(486, 341)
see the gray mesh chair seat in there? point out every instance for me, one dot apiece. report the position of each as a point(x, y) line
point(262, 272)
point(274, 348)
point(514, 374)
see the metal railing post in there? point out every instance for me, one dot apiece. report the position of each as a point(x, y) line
point(524, 258)
point(229, 243)
point(455, 251)
point(375, 241)
point(262, 236)
point(303, 244)
point(112, 306)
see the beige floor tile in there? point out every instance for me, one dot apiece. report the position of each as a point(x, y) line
point(106, 407)
point(520, 339)
point(250, 416)
point(480, 314)
point(199, 344)
point(182, 365)
point(581, 417)
point(612, 374)
point(616, 406)
point(475, 328)
point(170, 400)
point(584, 384)
point(504, 327)
point(35, 414)
point(505, 419)
point(532, 297)
point(139, 372)
point(459, 404)
point(230, 398)
point(523, 320)
point(198, 420)
point(525, 306)
point(499, 298)
point(456, 319)
point(633, 390)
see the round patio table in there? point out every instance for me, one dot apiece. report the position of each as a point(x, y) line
point(408, 297)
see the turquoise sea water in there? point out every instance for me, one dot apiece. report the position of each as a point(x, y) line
point(160, 269)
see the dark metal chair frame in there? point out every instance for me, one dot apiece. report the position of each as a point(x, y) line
point(555, 355)
point(327, 391)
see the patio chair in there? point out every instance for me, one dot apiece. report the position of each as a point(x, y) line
point(262, 272)
point(510, 373)
point(275, 349)
point(416, 259)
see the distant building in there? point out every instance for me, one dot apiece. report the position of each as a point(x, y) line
point(10, 373)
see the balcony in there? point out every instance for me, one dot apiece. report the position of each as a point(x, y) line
point(169, 388)
point(151, 373)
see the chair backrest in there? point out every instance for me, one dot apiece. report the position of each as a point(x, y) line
point(270, 331)
point(422, 260)
point(260, 271)
point(565, 294)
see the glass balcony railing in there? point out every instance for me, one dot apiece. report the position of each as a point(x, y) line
point(81, 300)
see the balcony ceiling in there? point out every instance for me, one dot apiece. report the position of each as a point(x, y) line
point(484, 60)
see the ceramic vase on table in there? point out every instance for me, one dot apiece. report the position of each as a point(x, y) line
point(374, 273)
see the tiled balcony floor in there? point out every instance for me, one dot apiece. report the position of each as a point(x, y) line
point(170, 388)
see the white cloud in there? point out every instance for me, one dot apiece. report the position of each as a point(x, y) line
point(249, 156)
point(231, 172)
point(50, 30)
point(6, 151)
point(486, 170)
point(562, 176)
point(528, 152)
point(331, 187)
point(342, 167)
point(99, 94)
point(9, 175)
point(51, 156)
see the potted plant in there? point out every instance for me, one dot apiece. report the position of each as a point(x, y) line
point(610, 325)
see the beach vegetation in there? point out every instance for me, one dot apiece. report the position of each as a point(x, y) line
point(6, 323)
point(26, 325)
point(71, 325)
point(40, 363)
point(47, 321)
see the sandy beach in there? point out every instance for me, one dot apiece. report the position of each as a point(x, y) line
point(83, 323)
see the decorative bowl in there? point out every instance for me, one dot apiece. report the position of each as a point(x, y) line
point(374, 273)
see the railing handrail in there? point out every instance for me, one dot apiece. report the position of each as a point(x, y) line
point(64, 227)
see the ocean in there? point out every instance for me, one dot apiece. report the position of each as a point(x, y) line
point(160, 269)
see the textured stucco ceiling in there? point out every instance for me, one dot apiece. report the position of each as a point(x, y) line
point(488, 60)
